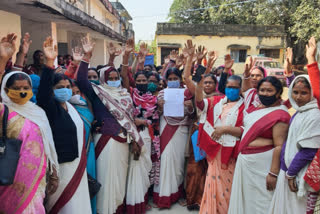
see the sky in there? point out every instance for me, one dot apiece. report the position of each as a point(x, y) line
point(146, 14)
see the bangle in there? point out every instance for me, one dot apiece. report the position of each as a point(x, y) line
point(126, 65)
point(289, 177)
point(246, 78)
point(273, 174)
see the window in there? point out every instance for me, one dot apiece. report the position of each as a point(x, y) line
point(239, 55)
point(273, 53)
point(62, 48)
point(271, 64)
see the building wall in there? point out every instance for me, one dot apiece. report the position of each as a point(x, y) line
point(97, 11)
point(10, 23)
point(220, 45)
point(38, 32)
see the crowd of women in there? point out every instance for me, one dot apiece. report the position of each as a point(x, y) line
point(96, 140)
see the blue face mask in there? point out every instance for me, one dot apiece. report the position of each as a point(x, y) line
point(232, 93)
point(62, 94)
point(174, 84)
point(115, 84)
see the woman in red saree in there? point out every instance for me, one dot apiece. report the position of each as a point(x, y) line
point(173, 139)
point(265, 130)
point(223, 115)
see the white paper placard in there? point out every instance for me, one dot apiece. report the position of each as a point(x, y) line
point(174, 102)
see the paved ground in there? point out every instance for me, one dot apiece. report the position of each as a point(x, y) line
point(175, 209)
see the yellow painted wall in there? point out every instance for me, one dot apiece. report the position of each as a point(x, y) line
point(10, 23)
point(97, 11)
point(220, 45)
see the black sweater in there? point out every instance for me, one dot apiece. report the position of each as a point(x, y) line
point(63, 128)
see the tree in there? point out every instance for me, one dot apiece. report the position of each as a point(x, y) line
point(301, 18)
point(306, 21)
point(182, 11)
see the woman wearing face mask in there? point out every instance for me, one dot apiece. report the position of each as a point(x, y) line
point(298, 151)
point(173, 139)
point(28, 123)
point(93, 76)
point(196, 171)
point(147, 122)
point(265, 130)
point(115, 128)
point(67, 127)
point(251, 77)
point(153, 82)
point(219, 134)
point(83, 107)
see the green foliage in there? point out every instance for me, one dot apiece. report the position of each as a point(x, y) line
point(306, 20)
point(301, 18)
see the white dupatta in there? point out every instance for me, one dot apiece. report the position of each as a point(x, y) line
point(304, 132)
point(226, 140)
point(34, 113)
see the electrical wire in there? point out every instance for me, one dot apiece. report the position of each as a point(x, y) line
point(197, 9)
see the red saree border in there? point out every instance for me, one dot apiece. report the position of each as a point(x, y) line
point(166, 136)
point(264, 123)
point(103, 141)
point(167, 201)
point(73, 184)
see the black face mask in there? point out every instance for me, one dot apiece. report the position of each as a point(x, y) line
point(268, 100)
point(142, 87)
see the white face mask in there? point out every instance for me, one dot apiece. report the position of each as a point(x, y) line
point(115, 84)
point(76, 100)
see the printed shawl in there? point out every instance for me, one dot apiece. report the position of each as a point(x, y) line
point(146, 108)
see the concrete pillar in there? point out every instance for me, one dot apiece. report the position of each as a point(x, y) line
point(98, 53)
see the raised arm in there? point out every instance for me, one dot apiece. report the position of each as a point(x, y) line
point(201, 53)
point(212, 58)
point(72, 69)
point(7, 49)
point(23, 51)
point(134, 66)
point(125, 63)
point(189, 49)
point(82, 73)
point(246, 75)
point(199, 94)
point(313, 70)
point(113, 53)
point(45, 95)
point(228, 63)
point(288, 66)
point(143, 51)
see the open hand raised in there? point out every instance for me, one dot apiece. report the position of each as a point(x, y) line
point(8, 46)
point(50, 51)
point(25, 44)
point(288, 63)
point(311, 50)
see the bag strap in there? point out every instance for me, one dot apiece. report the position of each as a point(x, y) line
point(5, 122)
point(4, 130)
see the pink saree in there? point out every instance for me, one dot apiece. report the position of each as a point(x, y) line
point(26, 194)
